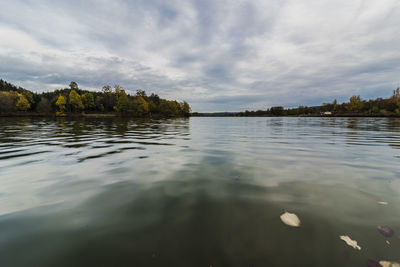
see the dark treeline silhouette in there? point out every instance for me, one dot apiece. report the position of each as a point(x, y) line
point(73, 100)
point(354, 107)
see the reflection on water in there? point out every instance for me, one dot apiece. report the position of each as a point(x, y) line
point(199, 191)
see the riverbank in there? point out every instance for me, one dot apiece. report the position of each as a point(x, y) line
point(299, 116)
point(85, 115)
point(156, 116)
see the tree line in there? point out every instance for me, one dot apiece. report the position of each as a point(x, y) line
point(73, 100)
point(354, 107)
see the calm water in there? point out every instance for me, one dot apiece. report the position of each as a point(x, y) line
point(199, 191)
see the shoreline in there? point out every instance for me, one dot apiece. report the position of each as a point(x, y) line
point(307, 116)
point(86, 115)
point(116, 115)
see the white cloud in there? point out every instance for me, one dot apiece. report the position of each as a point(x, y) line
point(218, 55)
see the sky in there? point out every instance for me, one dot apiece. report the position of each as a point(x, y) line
point(217, 55)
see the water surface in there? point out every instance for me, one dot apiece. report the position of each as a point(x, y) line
point(198, 191)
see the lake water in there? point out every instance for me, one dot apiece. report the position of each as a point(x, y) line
point(198, 191)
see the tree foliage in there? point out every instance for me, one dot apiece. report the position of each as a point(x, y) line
point(22, 103)
point(355, 103)
point(74, 99)
point(61, 102)
point(140, 106)
point(8, 101)
point(88, 101)
point(43, 106)
point(354, 107)
point(123, 102)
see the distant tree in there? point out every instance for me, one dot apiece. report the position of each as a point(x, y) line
point(29, 96)
point(22, 103)
point(123, 102)
point(355, 103)
point(140, 106)
point(185, 108)
point(75, 101)
point(109, 98)
point(106, 89)
point(60, 103)
point(43, 106)
point(154, 102)
point(169, 108)
point(73, 86)
point(154, 98)
point(334, 105)
point(153, 108)
point(118, 88)
point(88, 101)
point(8, 100)
point(277, 111)
point(301, 110)
point(141, 93)
point(396, 97)
point(326, 107)
point(99, 103)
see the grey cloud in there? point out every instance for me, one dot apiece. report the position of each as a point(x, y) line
point(218, 55)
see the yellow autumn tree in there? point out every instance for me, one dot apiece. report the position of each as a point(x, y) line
point(75, 101)
point(61, 102)
point(22, 103)
point(140, 106)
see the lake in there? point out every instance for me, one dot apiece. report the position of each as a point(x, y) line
point(198, 191)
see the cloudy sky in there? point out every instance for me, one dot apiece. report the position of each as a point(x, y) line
point(218, 55)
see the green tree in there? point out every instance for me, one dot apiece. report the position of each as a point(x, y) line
point(22, 103)
point(301, 110)
point(106, 89)
point(123, 103)
point(140, 106)
point(73, 86)
point(29, 96)
point(185, 108)
point(277, 111)
point(141, 93)
point(154, 98)
point(169, 108)
point(88, 101)
point(43, 106)
point(8, 100)
point(355, 103)
point(99, 103)
point(334, 105)
point(75, 101)
point(109, 99)
point(60, 103)
point(154, 102)
point(396, 97)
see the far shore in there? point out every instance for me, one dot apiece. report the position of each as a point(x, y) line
point(84, 115)
point(304, 116)
point(119, 115)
